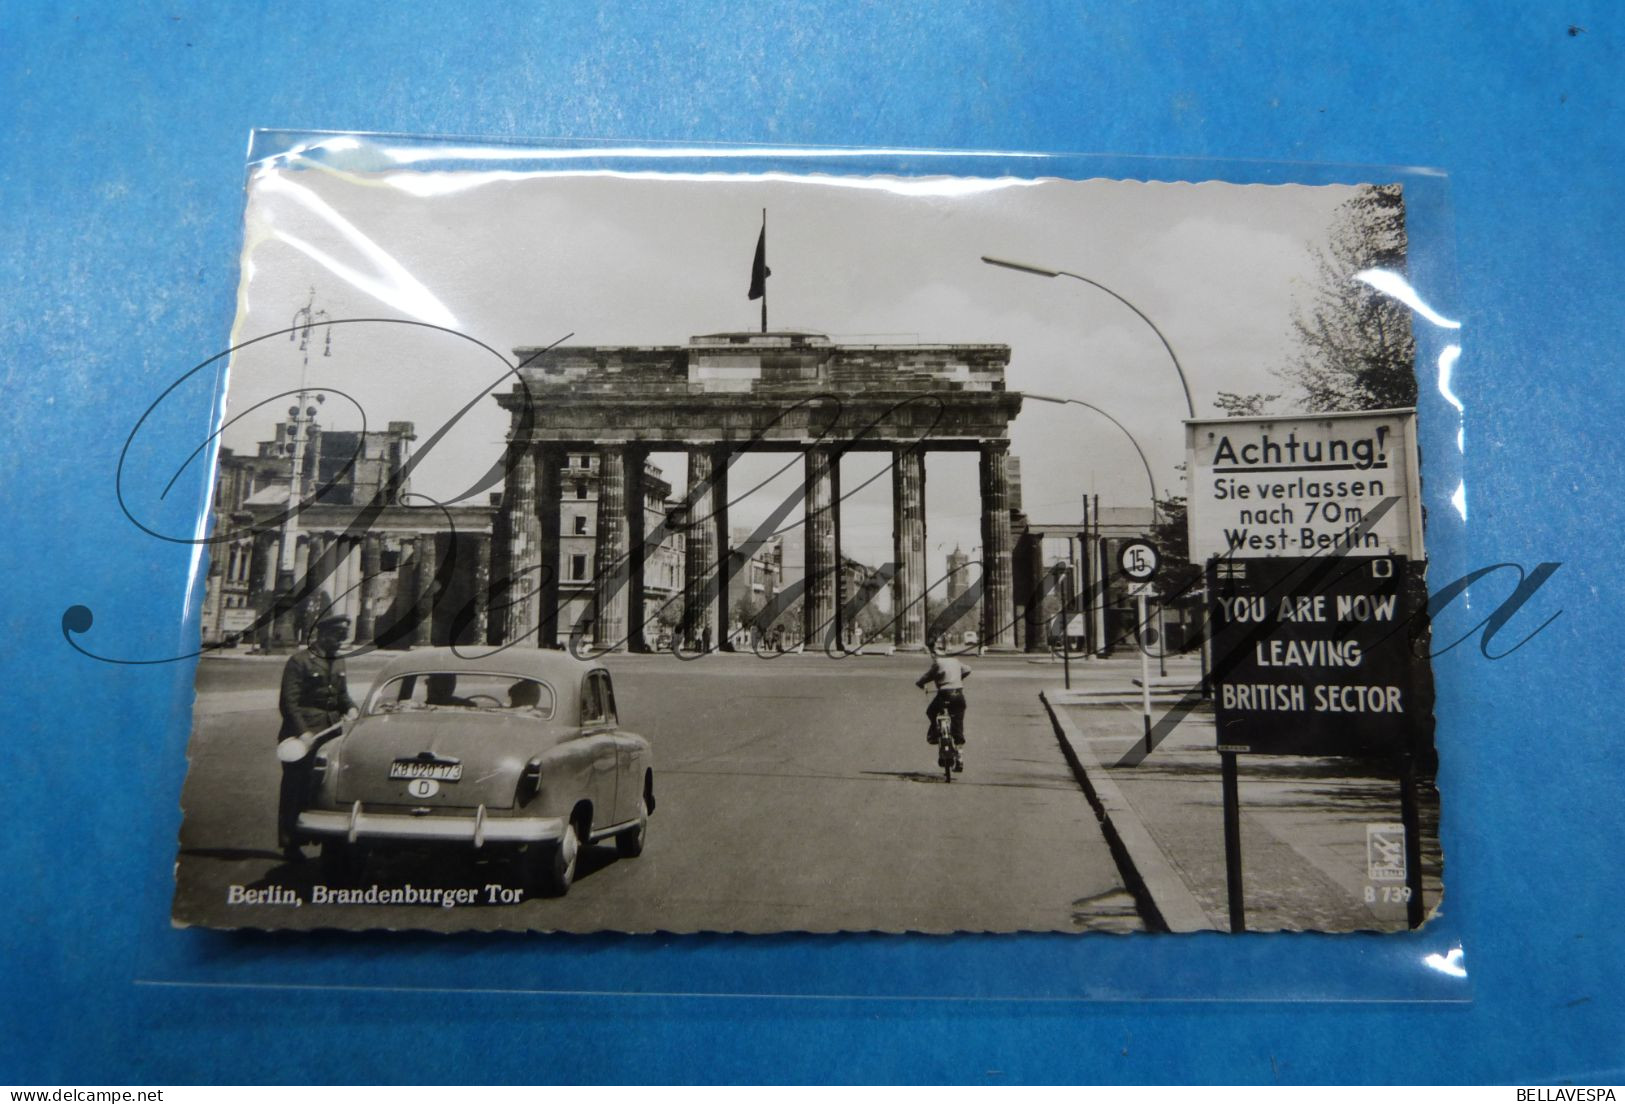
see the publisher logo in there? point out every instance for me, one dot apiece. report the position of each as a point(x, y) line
point(1385, 852)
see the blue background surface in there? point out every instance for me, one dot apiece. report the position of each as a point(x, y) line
point(121, 165)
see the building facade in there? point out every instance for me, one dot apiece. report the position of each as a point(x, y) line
point(578, 552)
point(261, 548)
point(589, 542)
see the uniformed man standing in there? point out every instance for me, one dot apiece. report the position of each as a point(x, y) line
point(314, 698)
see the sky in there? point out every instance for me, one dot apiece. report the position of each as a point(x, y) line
point(523, 259)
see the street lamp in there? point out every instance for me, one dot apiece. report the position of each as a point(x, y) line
point(1151, 481)
point(1190, 403)
point(301, 417)
point(1038, 270)
point(301, 423)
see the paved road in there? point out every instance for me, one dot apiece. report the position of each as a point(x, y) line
point(794, 794)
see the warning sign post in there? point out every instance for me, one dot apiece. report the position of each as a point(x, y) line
point(1311, 532)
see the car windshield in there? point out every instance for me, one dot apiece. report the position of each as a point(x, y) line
point(464, 691)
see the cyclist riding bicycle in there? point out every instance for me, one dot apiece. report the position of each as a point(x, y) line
point(949, 674)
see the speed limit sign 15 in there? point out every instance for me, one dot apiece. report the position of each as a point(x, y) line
point(1139, 560)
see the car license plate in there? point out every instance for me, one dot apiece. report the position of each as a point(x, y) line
point(426, 768)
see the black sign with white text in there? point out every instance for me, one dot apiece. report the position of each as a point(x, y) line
point(1317, 655)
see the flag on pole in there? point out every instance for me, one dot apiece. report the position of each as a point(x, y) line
point(759, 272)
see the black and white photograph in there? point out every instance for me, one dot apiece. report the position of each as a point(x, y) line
point(645, 551)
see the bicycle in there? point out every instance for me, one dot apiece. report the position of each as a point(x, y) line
point(949, 757)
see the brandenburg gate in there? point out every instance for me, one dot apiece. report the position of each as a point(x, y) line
point(725, 394)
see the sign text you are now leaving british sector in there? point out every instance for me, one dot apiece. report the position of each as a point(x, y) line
point(1319, 656)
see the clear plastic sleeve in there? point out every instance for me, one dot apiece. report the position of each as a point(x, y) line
point(762, 434)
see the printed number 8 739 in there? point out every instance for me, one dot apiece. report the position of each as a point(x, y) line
point(1391, 895)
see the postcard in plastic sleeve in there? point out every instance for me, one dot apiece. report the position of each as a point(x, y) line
point(758, 551)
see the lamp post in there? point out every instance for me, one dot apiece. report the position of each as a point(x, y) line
point(301, 423)
point(1190, 403)
point(1151, 482)
point(1039, 270)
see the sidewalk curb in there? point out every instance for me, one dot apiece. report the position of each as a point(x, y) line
point(1164, 900)
point(1109, 695)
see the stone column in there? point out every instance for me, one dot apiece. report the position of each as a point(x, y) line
point(820, 612)
point(908, 546)
point(498, 591)
point(301, 558)
point(637, 526)
point(843, 584)
point(406, 592)
point(344, 582)
point(482, 590)
point(324, 572)
point(611, 580)
point(1033, 583)
point(998, 607)
point(722, 541)
point(262, 583)
point(280, 583)
point(549, 464)
point(366, 617)
point(352, 582)
point(262, 574)
point(428, 562)
point(700, 551)
point(523, 556)
point(296, 613)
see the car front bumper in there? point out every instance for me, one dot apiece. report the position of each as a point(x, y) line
point(475, 830)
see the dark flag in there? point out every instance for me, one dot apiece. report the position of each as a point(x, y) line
point(759, 272)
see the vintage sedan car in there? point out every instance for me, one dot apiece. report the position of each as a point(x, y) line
point(520, 752)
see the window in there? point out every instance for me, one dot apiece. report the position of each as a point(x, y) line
point(592, 704)
point(586, 461)
point(580, 525)
point(470, 691)
point(597, 699)
point(581, 490)
point(578, 567)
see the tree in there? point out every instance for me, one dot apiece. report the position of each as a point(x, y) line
point(1355, 347)
point(1232, 405)
point(746, 609)
point(1179, 581)
point(873, 623)
point(670, 612)
point(1179, 575)
point(785, 626)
